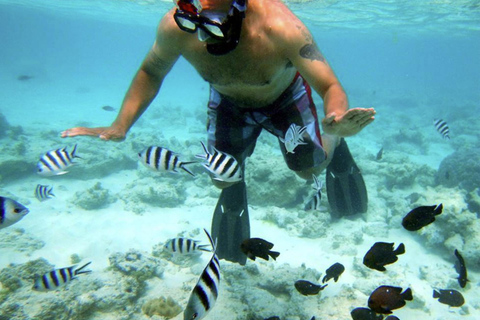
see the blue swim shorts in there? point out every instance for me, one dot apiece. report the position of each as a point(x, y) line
point(235, 130)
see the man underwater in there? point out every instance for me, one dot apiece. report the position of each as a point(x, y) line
point(261, 63)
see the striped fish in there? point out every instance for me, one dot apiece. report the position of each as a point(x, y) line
point(55, 162)
point(314, 202)
point(57, 278)
point(43, 193)
point(162, 159)
point(442, 128)
point(11, 212)
point(223, 166)
point(293, 137)
point(185, 246)
point(204, 295)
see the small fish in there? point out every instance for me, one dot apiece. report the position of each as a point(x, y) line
point(43, 193)
point(162, 159)
point(185, 246)
point(55, 162)
point(442, 128)
point(384, 299)
point(256, 247)
point(365, 314)
point(204, 295)
point(108, 108)
point(272, 318)
point(392, 318)
point(381, 254)
point(333, 272)
point(314, 202)
point(11, 212)
point(379, 155)
point(293, 137)
point(24, 77)
point(451, 297)
point(223, 166)
point(461, 268)
point(57, 278)
point(308, 288)
point(421, 217)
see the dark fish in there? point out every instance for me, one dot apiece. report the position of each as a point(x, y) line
point(381, 254)
point(364, 314)
point(333, 272)
point(108, 108)
point(451, 297)
point(24, 77)
point(379, 154)
point(421, 217)
point(162, 159)
point(392, 318)
point(384, 299)
point(11, 212)
point(223, 166)
point(58, 277)
point(204, 295)
point(307, 288)
point(43, 193)
point(272, 318)
point(256, 247)
point(461, 268)
point(442, 128)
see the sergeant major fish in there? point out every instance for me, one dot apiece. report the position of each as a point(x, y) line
point(461, 268)
point(11, 212)
point(55, 162)
point(421, 217)
point(453, 298)
point(293, 137)
point(257, 247)
point(204, 295)
point(442, 128)
point(59, 277)
point(185, 246)
point(381, 254)
point(162, 159)
point(314, 202)
point(43, 193)
point(223, 166)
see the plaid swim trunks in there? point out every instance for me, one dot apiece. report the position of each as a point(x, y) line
point(235, 130)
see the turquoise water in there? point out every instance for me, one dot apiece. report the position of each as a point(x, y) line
point(412, 60)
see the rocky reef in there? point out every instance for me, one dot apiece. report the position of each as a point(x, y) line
point(164, 307)
point(461, 169)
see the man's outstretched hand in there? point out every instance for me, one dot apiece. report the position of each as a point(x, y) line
point(104, 133)
point(349, 123)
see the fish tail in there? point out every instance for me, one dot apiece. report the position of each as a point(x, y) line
point(436, 294)
point(73, 155)
point(203, 247)
point(79, 270)
point(186, 169)
point(400, 249)
point(407, 295)
point(274, 254)
point(438, 209)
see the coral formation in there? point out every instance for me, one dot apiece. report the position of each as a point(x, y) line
point(20, 241)
point(165, 307)
point(461, 168)
point(93, 198)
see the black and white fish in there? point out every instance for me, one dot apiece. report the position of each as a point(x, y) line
point(162, 159)
point(43, 193)
point(185, 246)
point(55, 162)
point(204, 295)
point(461, 268)
point(314, 202)
point(453, 298)
point(442, 128)
point(11, 212)
point(293, 137)
point(223, 166)
point(59, 277)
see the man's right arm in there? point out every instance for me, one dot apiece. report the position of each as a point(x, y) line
point(144, 87)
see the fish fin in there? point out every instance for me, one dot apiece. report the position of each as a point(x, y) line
point(186, 169)
point(79, 270)
point(400, 249)
point(346, 190)
point(204, 247)
point(407, 295)
point(436, 294)
point(274, 254)
point(60, 173)
point(438, 210)
point(325, 279)
point(72, 154)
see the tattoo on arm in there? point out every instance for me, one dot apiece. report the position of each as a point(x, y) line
point(310, 51)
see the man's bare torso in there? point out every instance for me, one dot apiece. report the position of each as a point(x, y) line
point(255, 73)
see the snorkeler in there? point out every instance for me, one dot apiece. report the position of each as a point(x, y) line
point(260, 61)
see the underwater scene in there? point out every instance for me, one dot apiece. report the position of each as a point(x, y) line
point(96, 230)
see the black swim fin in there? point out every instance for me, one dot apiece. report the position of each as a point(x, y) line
point(346, 190)
point(231, 224)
